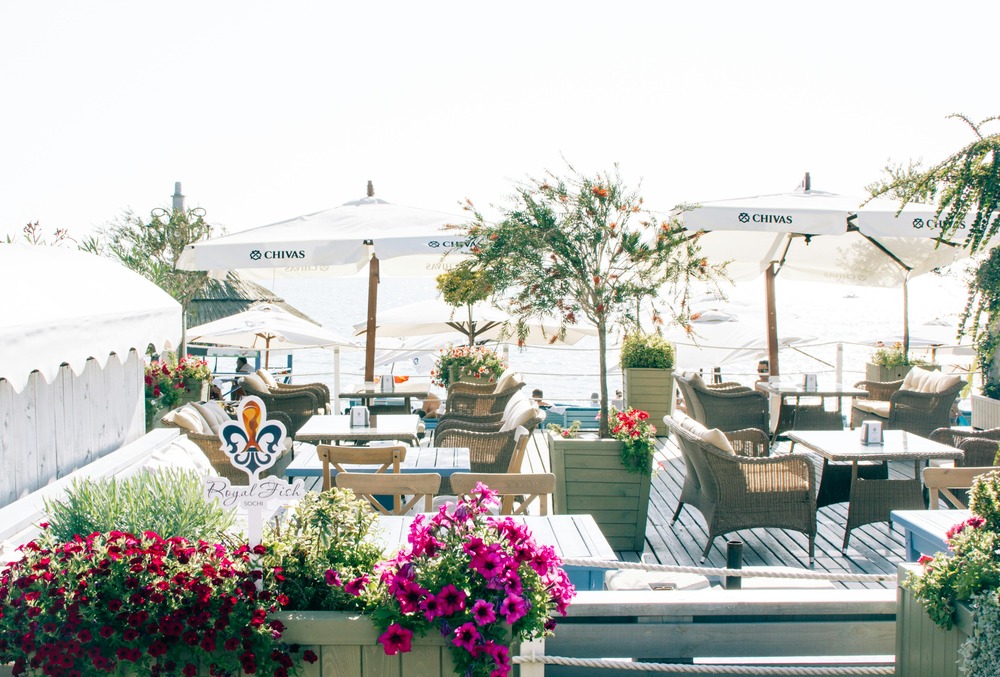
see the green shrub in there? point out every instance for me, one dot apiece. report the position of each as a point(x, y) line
point(893, 356)
point(322, 546)
point(169, 502)
point(646, 351)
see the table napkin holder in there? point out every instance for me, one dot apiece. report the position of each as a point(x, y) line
point(360, 418)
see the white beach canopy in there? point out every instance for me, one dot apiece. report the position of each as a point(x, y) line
point(268, 327)
point(484, 323)
point(818, 236)
point(64, 306)
point(339, 241)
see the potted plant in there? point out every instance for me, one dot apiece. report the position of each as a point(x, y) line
point(949, 604)
point(462, 288)
point(475, 364)
point(891, 363)
point(647, 362)
point(161, 391)
point(981, 321)
point(195, 377)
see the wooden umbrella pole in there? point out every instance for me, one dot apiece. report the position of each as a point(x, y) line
point(906, 316)
point(772, 321)
point(372, 310)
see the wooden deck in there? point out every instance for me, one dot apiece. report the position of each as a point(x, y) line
point(874, 548)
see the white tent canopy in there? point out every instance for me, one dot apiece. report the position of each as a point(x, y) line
point(818, 236)
point(65, 306)
point(340, 241)
point(266, 326)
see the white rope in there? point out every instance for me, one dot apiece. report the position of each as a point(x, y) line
point(747, 573)
point(686, 668)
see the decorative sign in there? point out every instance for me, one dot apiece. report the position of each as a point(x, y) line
point(253, 444)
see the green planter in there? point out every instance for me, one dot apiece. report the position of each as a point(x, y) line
point(455, 376)
point(195, 390)
point(347, 646)
point(985, 412)
point(922, 648)
point(590, 480)
point(651, 390)
point(876, 372)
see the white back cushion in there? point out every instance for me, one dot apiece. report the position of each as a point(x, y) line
point(256, 382)
point(266, 377)
point(519, 417)
point(924, 381)
point(715, 437)
point(213, 414)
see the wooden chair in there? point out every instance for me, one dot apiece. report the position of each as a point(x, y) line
point(943, 480)
point(525, 487)
point(415, 485)
point(384, 457)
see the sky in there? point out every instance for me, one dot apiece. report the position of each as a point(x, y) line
point(265, 110)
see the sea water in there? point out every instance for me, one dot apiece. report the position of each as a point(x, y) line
point(822, 315)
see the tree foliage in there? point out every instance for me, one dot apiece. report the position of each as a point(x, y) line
point(966, 184)
point(583, 247)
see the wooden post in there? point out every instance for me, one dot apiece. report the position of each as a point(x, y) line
point(772, 321)
point(372, 310)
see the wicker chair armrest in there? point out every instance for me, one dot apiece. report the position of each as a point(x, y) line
point(752, 442)
point(979, 452)
point(317, 387)
point(879, 390)
point(953, 437)
point(444, 426)
point(727, 385)
point(469, 387)
point(496, 418)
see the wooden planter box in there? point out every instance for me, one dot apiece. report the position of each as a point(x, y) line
point(876, 372)
point(347, 646)
point(985, 412)
point(590, 479)
point(651, 390)
point(922, 648)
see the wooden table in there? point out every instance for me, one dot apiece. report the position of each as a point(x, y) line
point(924, 530)
point(338, 428)
point(795, 408)
point(575, 536)
point(871, 500)
point(399, 391)
point(446, 461)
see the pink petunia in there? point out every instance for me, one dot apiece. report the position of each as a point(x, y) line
point(396, 639)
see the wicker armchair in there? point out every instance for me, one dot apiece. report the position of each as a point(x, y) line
point(735, 492)
point(517, 406)
point(211, 446)
point(488, 452)
point(299, 405)
point(479, 403)
point(726, 407)
point(901, 406)
point(964, 439)
point(320, 390)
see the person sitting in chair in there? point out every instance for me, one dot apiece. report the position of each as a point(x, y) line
point(537, 395)
point(242, 367)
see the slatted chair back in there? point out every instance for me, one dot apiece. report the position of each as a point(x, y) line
point(941, 481)
point(387, 458)
point(399, 486)
point(522, 435)
point(522, 487)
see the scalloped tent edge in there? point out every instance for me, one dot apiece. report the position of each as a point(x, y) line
point(63, 307)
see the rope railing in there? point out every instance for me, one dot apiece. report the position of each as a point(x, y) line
point(746, 573)
point(713, 669)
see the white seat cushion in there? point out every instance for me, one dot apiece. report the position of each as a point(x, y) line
point(715, 437)
point(877, 407)
point(924, 381)
point(256, 382)
point(266, 377)
point(213, 414)
point(189, 419)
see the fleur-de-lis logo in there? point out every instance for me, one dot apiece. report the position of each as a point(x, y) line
point(252, 443)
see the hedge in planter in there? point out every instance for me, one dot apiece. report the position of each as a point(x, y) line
point(968, 573)
point(647, 361)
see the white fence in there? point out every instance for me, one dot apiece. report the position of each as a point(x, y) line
point(49, 430)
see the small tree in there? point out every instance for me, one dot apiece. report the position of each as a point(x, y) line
point(463, 286)
point(583, 247)
point(152, 248)
point(967, 187)
point(32, 234)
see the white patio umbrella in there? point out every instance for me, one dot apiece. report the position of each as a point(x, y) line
point(268, 327)
point(484, 323)
point(340, 241)
point(819, 236)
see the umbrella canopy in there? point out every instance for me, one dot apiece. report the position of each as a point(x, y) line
point(487, 323)
point(269, 327)
point(339, 241)
point(814, 235)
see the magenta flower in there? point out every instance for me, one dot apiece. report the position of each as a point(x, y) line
point(354, 587)
point(333, 578)
point(410, 595)
point(482, 612)
point(431, 608)
point(452, 600)
point(513, 608)
point(466, 637)
point(395, 639)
